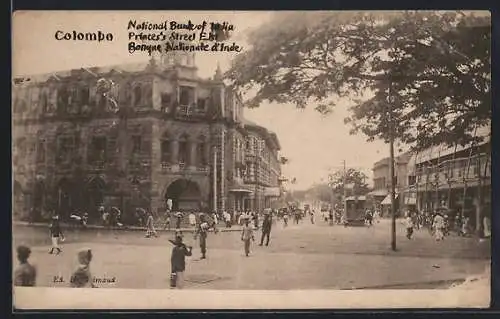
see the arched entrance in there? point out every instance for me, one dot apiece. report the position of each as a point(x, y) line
point(94, 197)
point(185, 195)
point(63, 198)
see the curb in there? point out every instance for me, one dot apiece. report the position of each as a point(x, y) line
point(125, 228)
point(411, 285)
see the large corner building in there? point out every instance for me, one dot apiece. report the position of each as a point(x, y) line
point(175, 136)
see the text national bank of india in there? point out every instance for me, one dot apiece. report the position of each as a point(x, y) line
point(179, 137)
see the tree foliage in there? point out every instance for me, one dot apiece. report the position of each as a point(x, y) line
point(355, 181)
point(436, 63)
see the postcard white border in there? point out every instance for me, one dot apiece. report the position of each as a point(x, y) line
point(135, 299)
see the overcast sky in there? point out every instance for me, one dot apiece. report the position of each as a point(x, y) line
point(314, 144)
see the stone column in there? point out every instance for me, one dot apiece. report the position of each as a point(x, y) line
point(208, 146)
point(192, 153)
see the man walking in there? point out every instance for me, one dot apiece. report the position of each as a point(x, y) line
point(247, 235)
point(178, 262)
point(202, 232)
point(55, 234)
point(266, 229)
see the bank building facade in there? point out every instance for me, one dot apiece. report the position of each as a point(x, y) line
point(176, 136)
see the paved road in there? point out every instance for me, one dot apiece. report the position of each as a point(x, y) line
point(301, 256)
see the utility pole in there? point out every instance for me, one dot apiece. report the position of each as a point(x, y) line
point(345, 190)
point(214, 174)
point(391, 168)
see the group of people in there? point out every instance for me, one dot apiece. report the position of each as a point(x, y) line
point(25, 274)
point(181, 250)
point(439, 224)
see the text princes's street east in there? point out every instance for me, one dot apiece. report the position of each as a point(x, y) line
point(176, 36)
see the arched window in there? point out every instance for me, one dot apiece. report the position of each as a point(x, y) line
point(183, 148)
point(124, 94)
point(166, 151)
point(63, 99)
point(44, 101)
point(201, 151)
point(84, 95)
point(137, 95)
point(40, 151)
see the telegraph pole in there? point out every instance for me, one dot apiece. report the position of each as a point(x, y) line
point(345, 191)
point(391, 168)
point(214, 176)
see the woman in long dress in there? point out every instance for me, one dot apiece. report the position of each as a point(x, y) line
point(438, 226)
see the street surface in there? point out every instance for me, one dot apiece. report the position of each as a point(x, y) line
point(300, 256)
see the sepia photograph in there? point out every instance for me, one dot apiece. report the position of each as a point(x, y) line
point(251, 160)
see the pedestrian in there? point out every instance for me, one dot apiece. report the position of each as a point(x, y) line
point(266, 229)
point(256, 221)
point(312, 216)
point(192, 219)
point(486, 227)
point(25, 273)
point(56, 234)
point(285, 219)
point(215, 218)
point(150, 228)
point(465, 227)
point(178, 220)
point(369, 217)
point(81, 277)
point(167, 221)
point(178, 262)
point(247, 235)
point(85, 219)
point(227, 218)
point(202, 232)
point(105, 217)
point(438, 226)
point(409, 226)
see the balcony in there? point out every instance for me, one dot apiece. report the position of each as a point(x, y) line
point(182, 167)
point(96, 165)
point(190, 111)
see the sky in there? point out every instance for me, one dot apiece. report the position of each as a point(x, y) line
point(314, 144)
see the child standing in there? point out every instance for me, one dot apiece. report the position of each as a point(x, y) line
point(81, 277)
point(178, 262)
point(55, 235)
point(25, 274)
point(246, 236)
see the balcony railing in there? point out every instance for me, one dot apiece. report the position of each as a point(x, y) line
point(168, 167)
point(97, 165)
point(187, 111)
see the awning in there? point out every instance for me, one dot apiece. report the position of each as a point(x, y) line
point(240, 190)
point(354, 198)
point(272, 192)
point(378, 192)
point(387, 199)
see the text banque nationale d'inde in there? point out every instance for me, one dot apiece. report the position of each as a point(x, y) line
point(190, 38)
